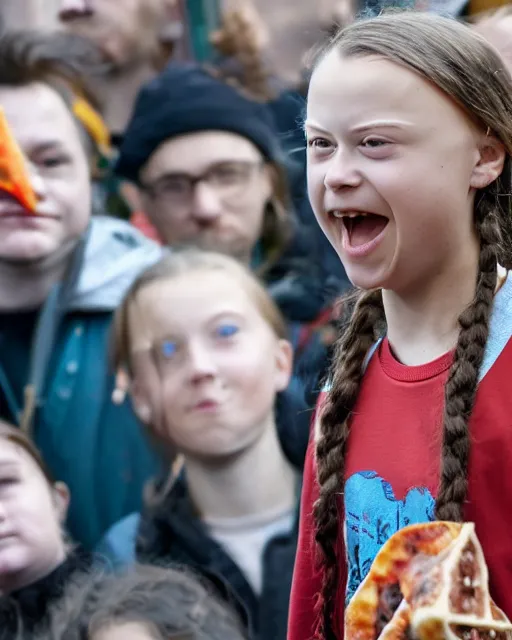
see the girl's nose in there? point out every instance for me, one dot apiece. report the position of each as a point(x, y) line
point(201, 362)
point(342, 172)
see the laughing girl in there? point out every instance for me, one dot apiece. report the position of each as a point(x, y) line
point(409, 129)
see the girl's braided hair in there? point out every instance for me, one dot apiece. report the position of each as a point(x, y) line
point(462, 65)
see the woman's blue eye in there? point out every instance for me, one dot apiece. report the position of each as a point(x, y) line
point(169, 349)
point(227, 330)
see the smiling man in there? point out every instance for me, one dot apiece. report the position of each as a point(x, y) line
point(61, 276)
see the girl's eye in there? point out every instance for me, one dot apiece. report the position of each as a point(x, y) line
point(169, 349)
point(227, 330)
point(373, 143)
point(318, 143)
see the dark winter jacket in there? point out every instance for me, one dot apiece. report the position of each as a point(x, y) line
point(172, 533)
point(24, 611)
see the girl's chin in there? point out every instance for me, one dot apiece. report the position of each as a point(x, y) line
point(367, 279)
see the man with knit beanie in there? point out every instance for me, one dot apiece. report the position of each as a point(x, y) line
point(207, 161)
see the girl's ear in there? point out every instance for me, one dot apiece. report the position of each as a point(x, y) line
point(284, 364)
point(61, 499)
point(492, 156)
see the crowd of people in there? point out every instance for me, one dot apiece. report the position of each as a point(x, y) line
point(180, 359)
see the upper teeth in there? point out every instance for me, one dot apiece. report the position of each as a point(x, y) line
point(346, 214)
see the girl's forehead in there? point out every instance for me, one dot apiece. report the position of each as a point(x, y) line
point(188, 300)
point(350, 92)
point(193, 288)
point(363, 78)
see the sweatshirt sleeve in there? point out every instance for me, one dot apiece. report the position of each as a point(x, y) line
point(307, 580)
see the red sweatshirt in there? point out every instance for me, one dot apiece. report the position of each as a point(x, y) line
point(393, 463)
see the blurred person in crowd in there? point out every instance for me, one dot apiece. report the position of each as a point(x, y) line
point(212, 173)
point(496, 28)
point(36, 561)
point(243, 59)
point(143, 603)
point(136, 38)
point(206, 351)
point(61, 276)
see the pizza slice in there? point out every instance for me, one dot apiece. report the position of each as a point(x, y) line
point(399, 627)
point(449, 595)
point(428, 582)
point(14, 177)
point(378, 597)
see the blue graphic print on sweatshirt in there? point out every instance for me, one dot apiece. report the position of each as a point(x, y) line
point(373, 515)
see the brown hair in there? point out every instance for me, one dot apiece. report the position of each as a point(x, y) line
point(17, 437)
point(169, 602)
point(238, 40)
point(245, 71)
point(59, 60)
point(462, 65)
point(277, 228)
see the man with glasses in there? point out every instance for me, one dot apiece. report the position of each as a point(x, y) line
point(207, 162)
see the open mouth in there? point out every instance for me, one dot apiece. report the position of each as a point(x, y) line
point(362, 228)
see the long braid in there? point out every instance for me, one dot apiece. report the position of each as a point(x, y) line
point(460, 390)
point(347, 371)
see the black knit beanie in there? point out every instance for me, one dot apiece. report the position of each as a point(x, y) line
point(186, 98)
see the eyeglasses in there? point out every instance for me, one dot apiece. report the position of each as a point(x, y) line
point(228, 179)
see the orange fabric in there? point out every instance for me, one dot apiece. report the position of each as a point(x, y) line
point(93, 123)
point(141, 222)
point(14, 177)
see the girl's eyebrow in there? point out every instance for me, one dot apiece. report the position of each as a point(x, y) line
point(366, 126)
point(383, 124)
point(307, 124)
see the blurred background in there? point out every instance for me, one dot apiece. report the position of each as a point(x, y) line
point(289, 27)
